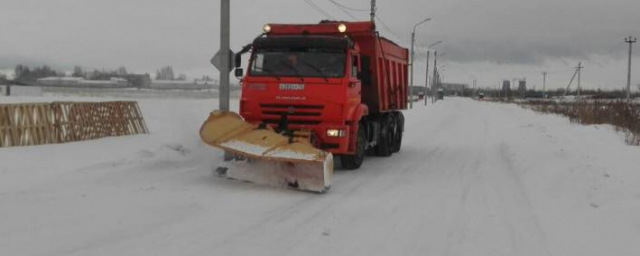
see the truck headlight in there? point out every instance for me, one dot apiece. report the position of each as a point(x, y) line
point(342, 28)
point(266, 28)
point(335, 133)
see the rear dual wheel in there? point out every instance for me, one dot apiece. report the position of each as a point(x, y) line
point(399, 128)
point(390, 135)
point(385, 144)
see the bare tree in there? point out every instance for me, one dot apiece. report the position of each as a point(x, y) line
point(24, 73)
point(165, 73)
point(78, 72)
point(122, 71)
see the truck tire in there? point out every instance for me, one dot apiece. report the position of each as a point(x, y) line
point(353, 162)
point(399, 130)
point(385, 145)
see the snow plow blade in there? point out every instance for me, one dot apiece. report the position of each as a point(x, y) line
point(266, 157)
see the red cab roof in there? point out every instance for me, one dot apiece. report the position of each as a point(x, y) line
point(323, 28)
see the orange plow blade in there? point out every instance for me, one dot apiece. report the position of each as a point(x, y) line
point(267, 157)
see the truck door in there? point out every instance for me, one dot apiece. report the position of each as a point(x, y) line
point(355, 86)
point(354, 90)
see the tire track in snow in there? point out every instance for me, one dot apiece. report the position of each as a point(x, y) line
point(486, 210)
point(469, 177)
point(317, 212)
point(518, 212)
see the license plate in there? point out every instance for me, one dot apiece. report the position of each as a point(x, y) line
point(291, 87)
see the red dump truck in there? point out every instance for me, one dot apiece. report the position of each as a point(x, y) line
point(339, 85)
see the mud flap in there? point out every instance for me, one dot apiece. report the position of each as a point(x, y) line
point(271, 158)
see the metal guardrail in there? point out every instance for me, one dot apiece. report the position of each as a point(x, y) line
point(30, 124)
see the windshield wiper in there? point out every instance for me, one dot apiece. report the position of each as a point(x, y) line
point(293, 68)
point(268, 71)
point(316, 69)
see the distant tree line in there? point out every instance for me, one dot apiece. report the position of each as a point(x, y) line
point(206, 79)
point(594, 94)
point(166, 73)
point(26, 74)
point(104, 74)
point(3, 78)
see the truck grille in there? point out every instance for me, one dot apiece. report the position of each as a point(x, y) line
point(298, 114)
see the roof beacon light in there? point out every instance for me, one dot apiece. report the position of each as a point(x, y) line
point(342, 28)
point(266, 28)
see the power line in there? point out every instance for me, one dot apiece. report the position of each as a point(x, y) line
point(318, 9)
point(348, 8)
point(387, 27)
point(343, 9)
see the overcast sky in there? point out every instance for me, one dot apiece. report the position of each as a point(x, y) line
point(488, 40)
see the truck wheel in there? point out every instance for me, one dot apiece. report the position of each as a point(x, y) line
point(352, 162)
point(384, 147)
point(397, 142)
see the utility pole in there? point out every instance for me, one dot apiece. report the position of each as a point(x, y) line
point(579, 70)
point(413, 41)
point(630, 41)
point(475, 88)
point(566, 91)
point(544, 85)
point(225, 44)
point(434, 86)
point(426, 81)
point(225, 59)
point(373, 11)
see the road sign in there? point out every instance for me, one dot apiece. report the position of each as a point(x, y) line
point(217, 60)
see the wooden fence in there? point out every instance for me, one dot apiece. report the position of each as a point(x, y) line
point(61, 122)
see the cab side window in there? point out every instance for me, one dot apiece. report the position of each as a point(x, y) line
point(354, 66)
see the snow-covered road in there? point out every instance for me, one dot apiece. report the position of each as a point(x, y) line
point(473, 178)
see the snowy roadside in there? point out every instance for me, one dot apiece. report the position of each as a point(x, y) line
point(582, 180)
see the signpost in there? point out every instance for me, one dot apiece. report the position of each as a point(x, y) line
point(216, 61)
point(224, 54)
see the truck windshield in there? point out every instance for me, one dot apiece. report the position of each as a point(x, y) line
point(302, 63)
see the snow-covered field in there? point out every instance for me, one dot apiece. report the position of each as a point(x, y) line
point(473, 178)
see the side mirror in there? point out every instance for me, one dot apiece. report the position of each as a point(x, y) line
point(238, 60)
point(239, 72)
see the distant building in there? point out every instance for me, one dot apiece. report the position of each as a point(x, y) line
point(137, 80)
point(506, 89)
point(454, 89)
point(522, 88)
